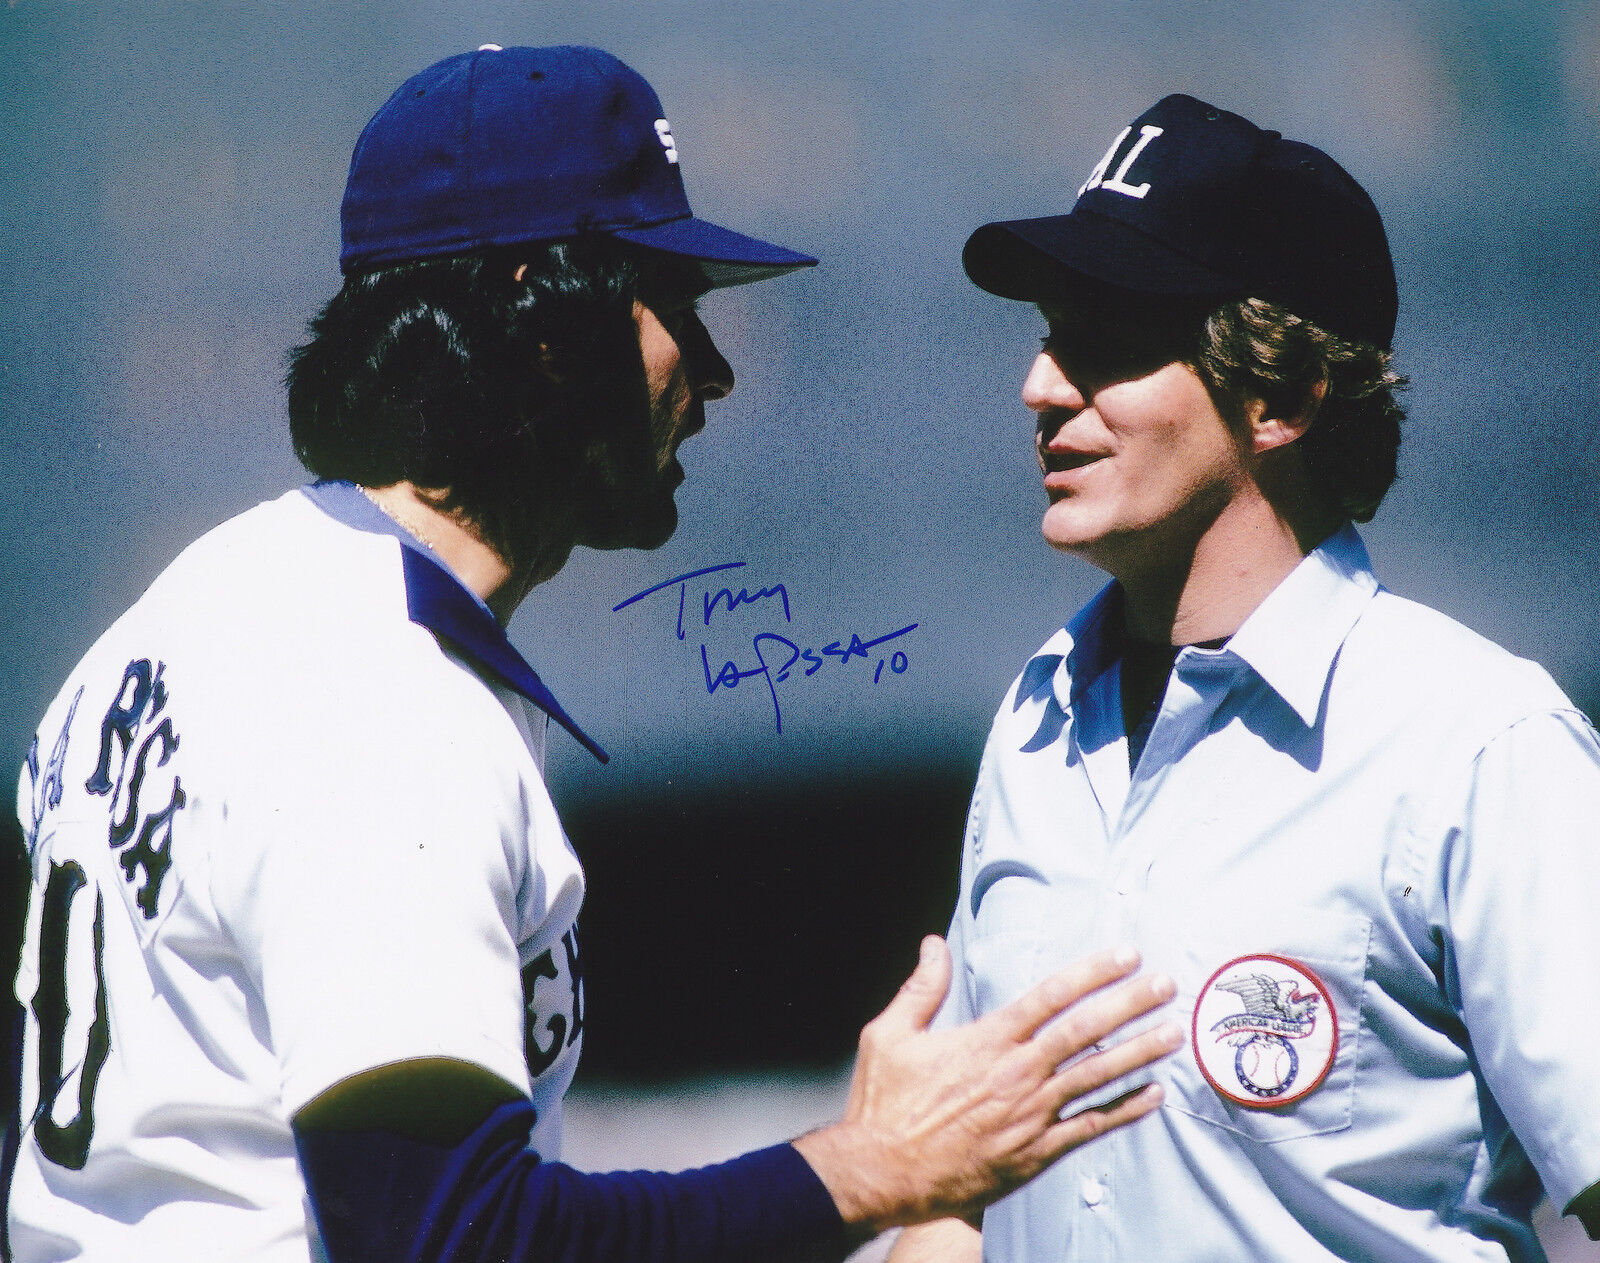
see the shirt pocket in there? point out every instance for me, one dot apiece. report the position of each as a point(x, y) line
point(1273, 1007)
point(1011, 906)
point(1000, 967)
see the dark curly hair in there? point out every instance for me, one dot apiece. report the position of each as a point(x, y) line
point(1254, 349)
point(499, 377)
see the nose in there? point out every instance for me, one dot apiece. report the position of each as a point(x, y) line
point(1047, 388)
point(1051, 394)
point(710, 375)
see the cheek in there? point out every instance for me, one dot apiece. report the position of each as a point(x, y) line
point(667, 413)
point(663, 359)
point(1182, 468)
point(1212, 452)
point(663, 374)
point(1185, 443)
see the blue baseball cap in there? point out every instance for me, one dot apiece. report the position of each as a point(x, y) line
point(1192, 202)
point(510, 146)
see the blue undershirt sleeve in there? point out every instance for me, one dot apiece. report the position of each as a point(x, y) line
point(379, 1195)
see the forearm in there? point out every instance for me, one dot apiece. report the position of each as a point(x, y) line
point(427, 1161)
point(943, 1241)
point(380, 1195)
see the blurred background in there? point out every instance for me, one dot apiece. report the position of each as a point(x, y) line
point(169, 184)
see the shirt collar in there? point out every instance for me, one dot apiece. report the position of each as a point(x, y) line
point(437, 599)
point(1290, 640)
point(1293, 638)
point(1085, 648)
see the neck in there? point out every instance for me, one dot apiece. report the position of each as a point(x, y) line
point(1206, 591)
point(457, 542)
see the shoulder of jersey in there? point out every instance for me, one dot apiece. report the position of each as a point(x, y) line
point(280, 566)
point(279, 612)
point(1427, 659)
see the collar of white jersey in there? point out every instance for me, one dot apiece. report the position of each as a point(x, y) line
point(1291, 640)
point(437, 600)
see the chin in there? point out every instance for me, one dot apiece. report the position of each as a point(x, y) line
point(639, 526)
point(657, 532)
point(1064, 530)
point(1100, 545)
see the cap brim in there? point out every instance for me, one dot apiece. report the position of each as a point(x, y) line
point(1034, 260)
point(726, 257)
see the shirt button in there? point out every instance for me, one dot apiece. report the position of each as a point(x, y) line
point(1093, 1191)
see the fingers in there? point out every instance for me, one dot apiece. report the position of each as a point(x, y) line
point(1084, 1076)
point(1026, 1014)
point(921, 994)
point(1083, 1127)
point(1093, 1019)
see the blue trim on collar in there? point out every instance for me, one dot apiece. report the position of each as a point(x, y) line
point(437, 600)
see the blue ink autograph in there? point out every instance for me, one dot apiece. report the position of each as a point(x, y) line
point(773, 672)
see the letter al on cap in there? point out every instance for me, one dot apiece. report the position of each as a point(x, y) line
point(1265, 1031)
point(1118, 183)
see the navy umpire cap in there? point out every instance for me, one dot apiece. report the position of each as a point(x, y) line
point(1194, 202)
point(509, 146)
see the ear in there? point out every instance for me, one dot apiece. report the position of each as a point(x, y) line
point(1270, 430)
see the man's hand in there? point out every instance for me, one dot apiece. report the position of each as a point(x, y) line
point(941, 1123)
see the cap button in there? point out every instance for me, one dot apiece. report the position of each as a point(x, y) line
point(1213, 115)
point(490, 48)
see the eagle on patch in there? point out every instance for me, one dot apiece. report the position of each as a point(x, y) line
point(1279, 999)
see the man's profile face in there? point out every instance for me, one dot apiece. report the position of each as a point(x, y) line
point(682, 369)
point(1137, 461)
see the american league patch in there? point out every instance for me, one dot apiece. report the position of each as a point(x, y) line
point(1264, 1032)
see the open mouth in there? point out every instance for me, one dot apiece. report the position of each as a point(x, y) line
point(1068, 461)
point(1064, 469)
point(1067, 473)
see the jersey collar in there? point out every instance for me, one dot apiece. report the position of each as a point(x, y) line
point(437, 600)
point(1069, 662)
point(1291, 640)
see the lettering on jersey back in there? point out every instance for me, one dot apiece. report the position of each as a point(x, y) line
point(553, 1015)
point(67, 1144)
point(136, 731)
point(47, 786)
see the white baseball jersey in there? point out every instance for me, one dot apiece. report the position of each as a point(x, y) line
point(1364, 841)
point(280, 834)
